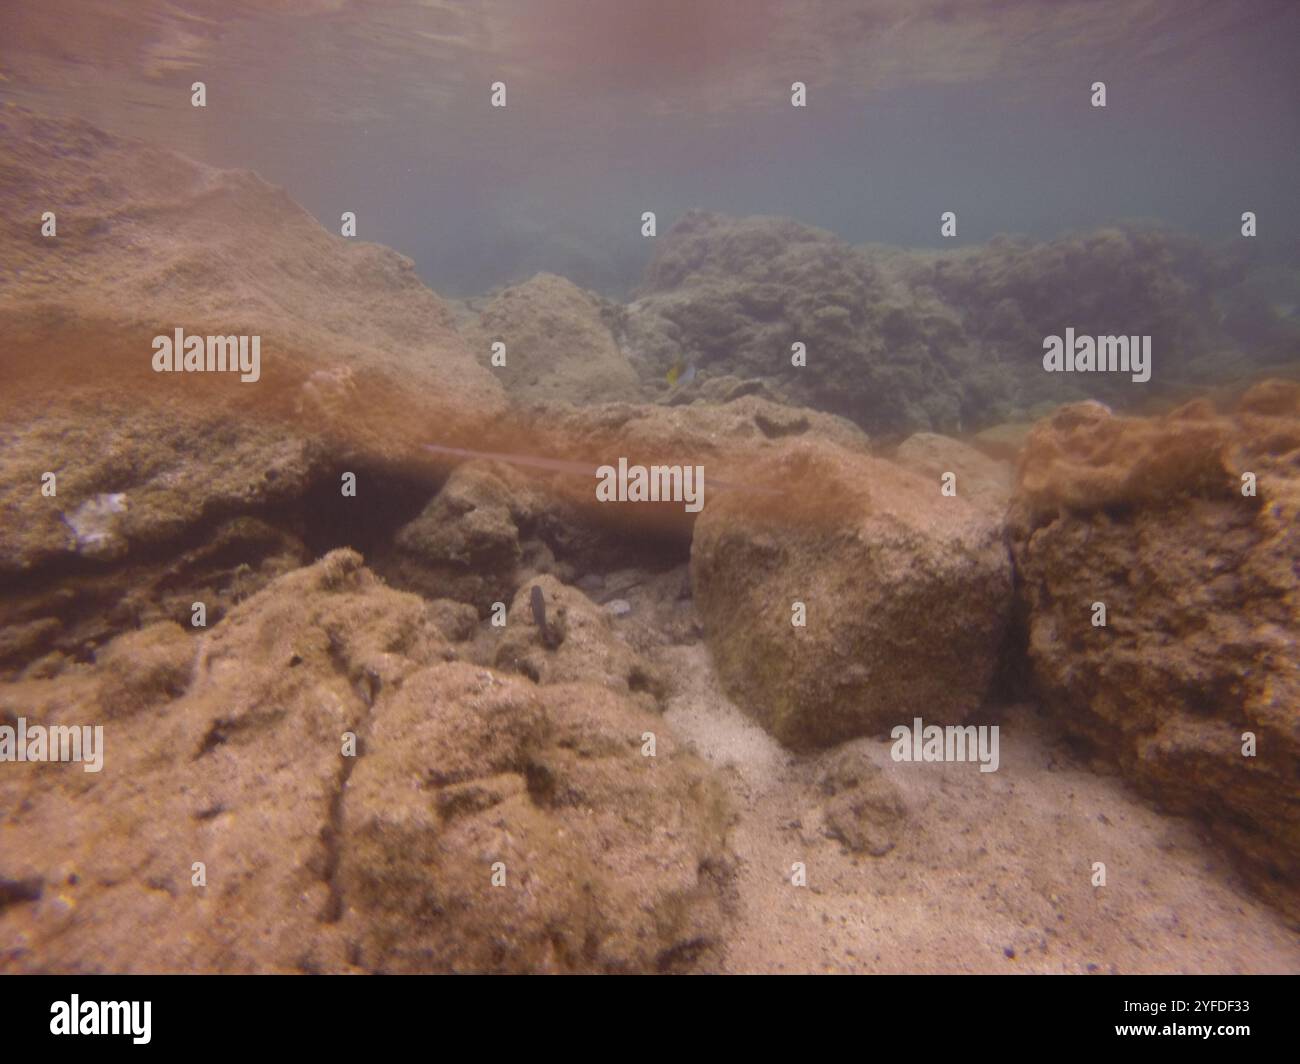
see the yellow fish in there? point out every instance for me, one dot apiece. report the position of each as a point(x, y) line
point(681, 372)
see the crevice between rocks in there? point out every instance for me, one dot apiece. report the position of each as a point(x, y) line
point(368, 687)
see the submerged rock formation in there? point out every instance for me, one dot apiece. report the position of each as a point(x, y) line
point(343, 768)
point(904, 341)
point(347, 789)
point(733, 295)
point(558, 341)
point(357, 357)
point(1186, 528)
point(857, 598)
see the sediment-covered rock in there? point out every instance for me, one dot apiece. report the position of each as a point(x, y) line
point(496, 825)
point(238, 823)
point(975, 476)
point(567, 638)
point(1187, 529)
point(558, 340)
point(464, 544)
point(905, 594)
point(356, 356)
point(863, 809)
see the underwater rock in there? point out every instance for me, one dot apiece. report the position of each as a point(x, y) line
point(464, 545)
point(577, 644)
point(87, 608)
point(236, 766)
point(144, 668)
point(977, 478)
point(732, 295)
point(1132, 279)
point(1003, 442)
point(558, 342)
point(727, 389)
point(904, 595)
point(149, 241)
point(1155, 519)
point(903, 341)
point(863, 810)
point(498, 826)
point(254, 761)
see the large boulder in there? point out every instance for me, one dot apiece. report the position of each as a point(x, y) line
point(906, 593)
point(976, 476)
point(1186, 528)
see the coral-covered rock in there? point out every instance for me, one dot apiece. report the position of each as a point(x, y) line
point(906, 594)
point(1157, 520)
point(733, 295)
point(903, 341)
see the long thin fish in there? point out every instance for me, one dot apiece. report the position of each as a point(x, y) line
point(560, 465)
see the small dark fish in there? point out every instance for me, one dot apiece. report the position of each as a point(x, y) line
point(551, 636)
point(538, 602)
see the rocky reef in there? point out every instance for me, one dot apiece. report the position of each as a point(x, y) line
point(903, 341)
point(384, 687)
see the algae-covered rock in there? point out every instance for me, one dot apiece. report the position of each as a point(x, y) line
point(1186, 528)
point(500, 826)
point(355, 353)
point(558, 343)
point(301, 787)
point(464, 544)
point(903, 594)
point(575, 641)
